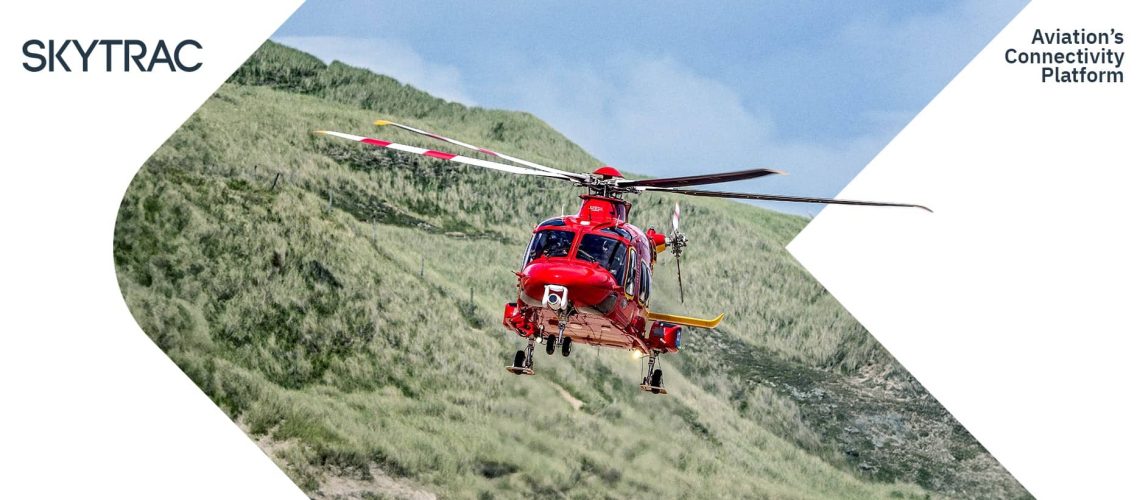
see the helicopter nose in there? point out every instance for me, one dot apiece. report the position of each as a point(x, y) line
point(586, 284)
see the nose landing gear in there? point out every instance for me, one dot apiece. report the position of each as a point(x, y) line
point(550, 340)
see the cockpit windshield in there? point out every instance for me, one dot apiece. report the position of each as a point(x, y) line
point(549, 243)
point(608, 252)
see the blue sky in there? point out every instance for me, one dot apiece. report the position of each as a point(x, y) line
point(670, 88)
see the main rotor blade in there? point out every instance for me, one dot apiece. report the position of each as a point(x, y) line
point(776, 197)
point(693, 180)
point(485, 151)
point(445, 156)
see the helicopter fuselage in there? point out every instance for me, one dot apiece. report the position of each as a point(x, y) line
point(592, 270)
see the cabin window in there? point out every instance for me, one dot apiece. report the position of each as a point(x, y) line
point(631, 272)
point(549, 243)
point(645, 283)
point(607, 252)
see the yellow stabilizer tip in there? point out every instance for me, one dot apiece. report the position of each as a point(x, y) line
point(381, 123)
point(685, 320)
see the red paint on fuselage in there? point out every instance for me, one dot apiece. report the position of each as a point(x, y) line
point(588, 283)
point(608, 309)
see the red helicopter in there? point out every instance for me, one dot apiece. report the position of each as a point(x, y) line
point(586, 278)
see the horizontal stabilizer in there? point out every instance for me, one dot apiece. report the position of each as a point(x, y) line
point(685, 320)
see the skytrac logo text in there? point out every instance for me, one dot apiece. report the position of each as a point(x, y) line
point(111, 55)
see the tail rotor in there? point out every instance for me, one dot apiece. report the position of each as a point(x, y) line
point(676, 242)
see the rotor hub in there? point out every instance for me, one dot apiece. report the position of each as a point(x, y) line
point(607, 172)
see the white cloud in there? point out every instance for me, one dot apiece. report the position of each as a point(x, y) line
point(648, 114)
point(653, 115)
point(392, 58)
point(914, 51)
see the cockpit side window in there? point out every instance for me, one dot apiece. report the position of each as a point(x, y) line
point(618, 264)
point(549, 243)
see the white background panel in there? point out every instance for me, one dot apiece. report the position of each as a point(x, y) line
point(1012, 303)
point(91, 407)
point(1015, 302)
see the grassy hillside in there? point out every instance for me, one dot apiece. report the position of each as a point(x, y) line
point(343, 302)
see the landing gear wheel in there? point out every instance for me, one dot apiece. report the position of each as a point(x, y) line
point(565, 347)
point(652, 382)
point(524, 360)
point(550, 344)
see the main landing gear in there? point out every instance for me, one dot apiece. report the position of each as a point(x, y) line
point(652, 380)
point(524, 359)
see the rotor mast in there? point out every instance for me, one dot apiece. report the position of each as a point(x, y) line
point(603, 199)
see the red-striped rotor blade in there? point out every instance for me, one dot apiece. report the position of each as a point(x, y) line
point(446, 156)
point(694, 180)
point(776, 197)
point(485, 151)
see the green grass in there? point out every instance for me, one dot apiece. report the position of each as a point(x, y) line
point(309, 321)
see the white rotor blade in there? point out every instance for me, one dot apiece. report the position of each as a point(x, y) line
point(777, 197)
point(676, 216)
point(445, 156)
point(694, 180)
point(485, 151)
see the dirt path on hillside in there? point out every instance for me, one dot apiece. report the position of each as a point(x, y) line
point(340, 487)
